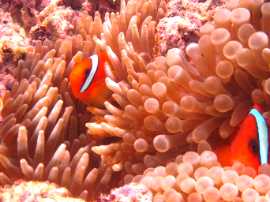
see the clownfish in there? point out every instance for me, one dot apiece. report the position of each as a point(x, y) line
point(87, 80)
point(250, 143)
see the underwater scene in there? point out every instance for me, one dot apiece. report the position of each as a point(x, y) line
point(134, 100)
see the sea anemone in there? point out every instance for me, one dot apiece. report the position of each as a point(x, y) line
point(186, 99)
point(42, 132)
point(193, 177)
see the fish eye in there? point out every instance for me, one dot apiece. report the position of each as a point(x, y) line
point(87, 72)
point(253, 145)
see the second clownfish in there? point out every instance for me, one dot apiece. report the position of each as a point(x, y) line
point(87, 80)
point(250, 144)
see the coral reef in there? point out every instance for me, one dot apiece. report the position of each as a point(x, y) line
point(133, 192)
point(35, 191)
point(190, 97)
point(13, 43)
point(182, 22)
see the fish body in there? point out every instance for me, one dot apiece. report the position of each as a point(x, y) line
point(250, 142)
point(87, 80)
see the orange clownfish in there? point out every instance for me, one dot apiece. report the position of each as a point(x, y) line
point(250, 143)
point(87, 80)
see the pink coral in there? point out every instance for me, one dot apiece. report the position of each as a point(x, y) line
point(132, 192)
point(181, 24)
point(13, 40)
point(35, 191)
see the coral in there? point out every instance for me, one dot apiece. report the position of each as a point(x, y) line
point(132, 192)
point(13, 43)
point(40, 191)
point(13, 47)
point(102, 6)
point(58, 18)
point(57, 21)
point(182, 22)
